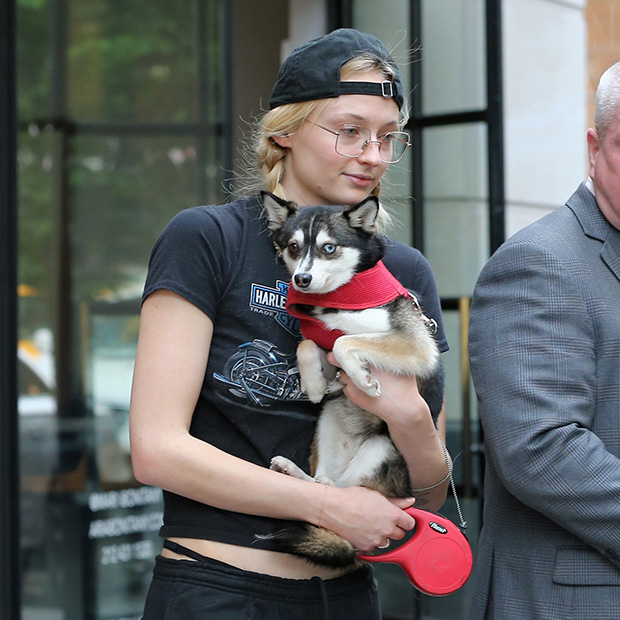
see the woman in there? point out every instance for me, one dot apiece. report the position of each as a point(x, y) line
point(215, 393)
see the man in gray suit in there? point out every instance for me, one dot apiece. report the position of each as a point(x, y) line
point(545, 359)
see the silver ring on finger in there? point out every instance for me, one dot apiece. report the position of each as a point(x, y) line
point(387, 544)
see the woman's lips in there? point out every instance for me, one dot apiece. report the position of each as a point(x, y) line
point(361, 180)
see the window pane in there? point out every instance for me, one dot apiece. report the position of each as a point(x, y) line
point(124, 191)
point(455, 206)
point(396, 197)
point(132, 60)
point(34, 60)
point(35, 161)
point(391, 25)
point(453, 44)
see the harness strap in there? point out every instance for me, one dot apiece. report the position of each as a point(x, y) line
point(181, 550)
point(371, 288)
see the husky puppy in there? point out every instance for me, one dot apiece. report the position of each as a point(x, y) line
point(326, 250)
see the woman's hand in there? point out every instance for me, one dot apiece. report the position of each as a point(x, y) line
point(411, 428)
point(399, 402)
point(365, 518)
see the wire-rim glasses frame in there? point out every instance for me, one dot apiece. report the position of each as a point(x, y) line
point(352, 140)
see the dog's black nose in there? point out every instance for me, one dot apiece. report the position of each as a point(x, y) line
point(302, 280)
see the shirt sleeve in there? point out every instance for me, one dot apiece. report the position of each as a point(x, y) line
point(192, 259)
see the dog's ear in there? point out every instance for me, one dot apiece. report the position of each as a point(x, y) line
point(364, 215)
point(277, 209)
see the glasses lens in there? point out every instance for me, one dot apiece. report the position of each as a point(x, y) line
point(351, 140)
point(393, 146)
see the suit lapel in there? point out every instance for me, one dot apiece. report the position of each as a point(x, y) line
point(594, 224)
point(611, 251)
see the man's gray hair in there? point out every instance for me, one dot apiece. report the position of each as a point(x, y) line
point(607, 99)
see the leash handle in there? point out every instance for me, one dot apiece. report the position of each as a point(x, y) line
point(437, 558)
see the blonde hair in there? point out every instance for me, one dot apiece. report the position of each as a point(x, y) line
point(279, 122)
point(269, 156)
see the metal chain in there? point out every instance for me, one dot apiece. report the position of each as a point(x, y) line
point(463, 523)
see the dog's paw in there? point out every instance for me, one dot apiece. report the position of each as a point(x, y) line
point(282, 465)
point(372, 387)
point(334, 385)
point(365, 380)
point(285, 466)
point(310, 359)
point(315, 389)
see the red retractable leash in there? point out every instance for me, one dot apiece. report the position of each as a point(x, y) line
point(437, 557)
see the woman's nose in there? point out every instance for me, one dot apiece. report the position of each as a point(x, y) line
point(371, 154)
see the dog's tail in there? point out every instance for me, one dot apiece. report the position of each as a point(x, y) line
point(315, 544)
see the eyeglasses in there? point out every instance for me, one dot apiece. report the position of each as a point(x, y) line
point(352, 140)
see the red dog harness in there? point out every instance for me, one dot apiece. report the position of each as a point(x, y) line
point(367, 289)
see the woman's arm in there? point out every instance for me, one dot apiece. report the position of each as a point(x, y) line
point(412, 430)
point(171, 360)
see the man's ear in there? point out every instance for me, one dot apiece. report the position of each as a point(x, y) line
point(593, 149)
point(277, 209)
point(364, 214)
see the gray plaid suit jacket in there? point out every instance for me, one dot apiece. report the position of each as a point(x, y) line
point(545, 359)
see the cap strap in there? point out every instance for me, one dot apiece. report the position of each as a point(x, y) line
point(383, 89)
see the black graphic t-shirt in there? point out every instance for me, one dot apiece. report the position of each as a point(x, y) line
point(222, 260)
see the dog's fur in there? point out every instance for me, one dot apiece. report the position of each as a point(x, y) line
point(323, 247)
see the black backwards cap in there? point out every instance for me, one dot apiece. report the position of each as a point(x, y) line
point(312, 70)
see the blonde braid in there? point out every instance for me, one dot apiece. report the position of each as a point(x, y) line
point(272, 157)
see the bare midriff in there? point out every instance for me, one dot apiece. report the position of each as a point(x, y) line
point(261, 561)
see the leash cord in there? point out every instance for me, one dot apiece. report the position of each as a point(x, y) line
point(463, 524)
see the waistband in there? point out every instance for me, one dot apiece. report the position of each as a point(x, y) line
point(218, 574)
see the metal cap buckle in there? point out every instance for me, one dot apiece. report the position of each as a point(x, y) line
point(386, 89)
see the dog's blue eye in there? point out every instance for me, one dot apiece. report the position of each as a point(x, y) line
point(329, 248)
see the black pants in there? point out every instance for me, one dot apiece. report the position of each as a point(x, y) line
point(212, 590)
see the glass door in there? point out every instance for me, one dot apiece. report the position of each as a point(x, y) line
point(121, 125)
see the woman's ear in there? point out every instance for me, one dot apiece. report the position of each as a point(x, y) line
point(283, 141)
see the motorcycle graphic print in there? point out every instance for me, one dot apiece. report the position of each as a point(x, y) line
point(262, 374)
